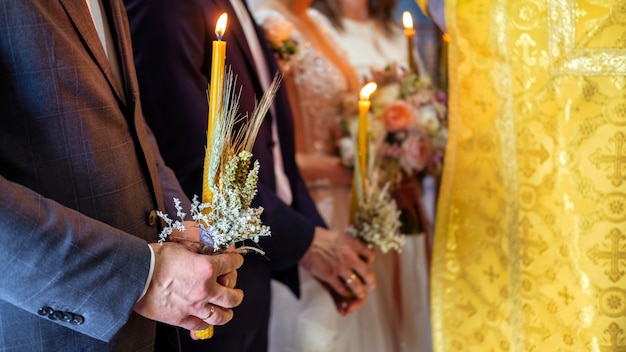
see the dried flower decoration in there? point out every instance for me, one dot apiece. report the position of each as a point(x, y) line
point(229, 218)
point(376, 220)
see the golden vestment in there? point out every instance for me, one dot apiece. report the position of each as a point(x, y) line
point(530, 243)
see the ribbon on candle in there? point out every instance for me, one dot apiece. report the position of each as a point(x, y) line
point(409, 32)
point(216, 88)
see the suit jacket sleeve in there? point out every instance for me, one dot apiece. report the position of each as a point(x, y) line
point(56, 256)
point(77, 178)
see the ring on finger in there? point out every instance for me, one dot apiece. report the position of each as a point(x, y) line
point(211, 311)
point(350, 279)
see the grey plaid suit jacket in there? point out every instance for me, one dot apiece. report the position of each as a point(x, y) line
point(80, 178)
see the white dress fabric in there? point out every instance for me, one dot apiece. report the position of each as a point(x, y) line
point(369, 48)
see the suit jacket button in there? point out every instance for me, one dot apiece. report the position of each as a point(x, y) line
point(77, 319)
point(271, 145)
point(57, 315)
point(152, 217)
point(67, 316)
point(45, 311)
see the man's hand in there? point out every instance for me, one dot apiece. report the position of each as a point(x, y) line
point(191, 290)
point(342, 263)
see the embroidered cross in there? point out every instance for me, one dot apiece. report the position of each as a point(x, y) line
point(531, 158)
point(617, 159)
point(527, 244)
point(566, 296)
point(528, 57)
point(491, 274)
point(615, 255)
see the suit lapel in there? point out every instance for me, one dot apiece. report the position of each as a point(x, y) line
point(123, 46)
point(78, 12)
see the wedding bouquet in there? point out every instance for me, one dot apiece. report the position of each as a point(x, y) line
point(229, 218)
point(410, 125)
point(408, 132)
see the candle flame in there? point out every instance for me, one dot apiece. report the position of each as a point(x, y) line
point(220, 27)
point(407, 20)
point(367, 90)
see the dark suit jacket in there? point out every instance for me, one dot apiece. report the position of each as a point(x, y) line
point(172, 45)
point(79, 175)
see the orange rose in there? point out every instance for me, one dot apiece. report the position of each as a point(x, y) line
point(397, 116)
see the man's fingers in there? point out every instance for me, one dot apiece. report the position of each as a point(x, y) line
point(346, 307)
point(226, 262)
point(225, 297)
point(338, 287)
point(365, 252)
point(229, 279)
point(364, 273)
point(210, 315)
point(215, 315)
point(353, 282)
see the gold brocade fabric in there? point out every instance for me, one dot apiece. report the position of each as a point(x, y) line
point(530, 244)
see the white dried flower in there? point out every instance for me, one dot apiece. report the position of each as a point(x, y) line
point(376, 221)
point(230, 218)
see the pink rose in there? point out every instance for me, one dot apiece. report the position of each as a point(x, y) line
point(417, 152)
point(397, 116)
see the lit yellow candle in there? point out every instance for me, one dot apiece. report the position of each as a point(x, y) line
point(215, 100)
point(364, 109)
point(361, 147)
point(409, 32)
point(215, 105)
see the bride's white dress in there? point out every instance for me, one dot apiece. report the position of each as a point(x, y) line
point(395, 316)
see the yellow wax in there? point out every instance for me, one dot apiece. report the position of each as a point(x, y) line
point(204, 334)
point(216, 88)
point(215, 105)
point(364, 108)
point(362, 147)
